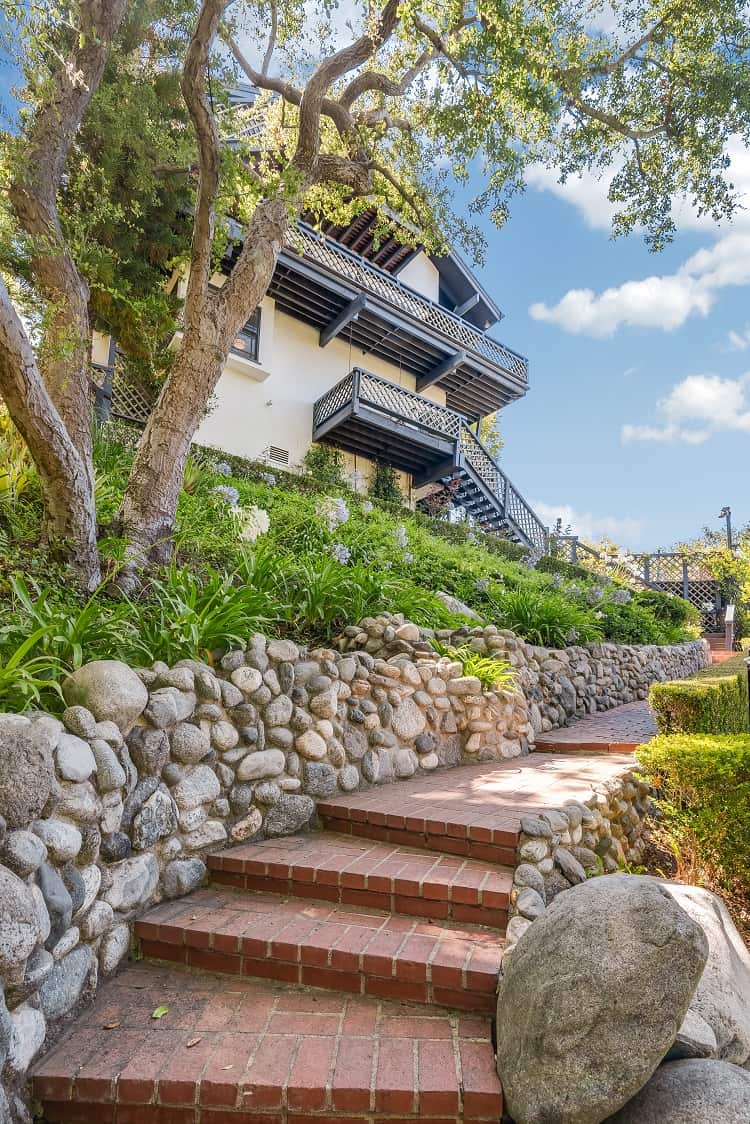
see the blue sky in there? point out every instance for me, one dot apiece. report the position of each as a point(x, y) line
point(637, 420)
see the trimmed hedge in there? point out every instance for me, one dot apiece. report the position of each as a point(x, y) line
point(703, 792)
point(714, 701)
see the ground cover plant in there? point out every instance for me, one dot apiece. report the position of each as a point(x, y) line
point(285, 554)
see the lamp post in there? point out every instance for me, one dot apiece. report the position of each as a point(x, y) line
point(726, 513)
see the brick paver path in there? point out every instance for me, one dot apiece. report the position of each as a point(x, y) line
point(358, 967)
point(613, 731)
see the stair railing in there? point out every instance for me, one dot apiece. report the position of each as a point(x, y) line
point(516, 511)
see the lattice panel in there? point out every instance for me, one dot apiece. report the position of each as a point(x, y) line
point(129, 399)
point(407, 405)
point(370, 279)
point(337, 397)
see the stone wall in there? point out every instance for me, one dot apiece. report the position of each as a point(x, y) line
point(113, 807)
point(563, 847)
point(560, 685)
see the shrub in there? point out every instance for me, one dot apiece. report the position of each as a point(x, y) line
point(571, 570)
point(703, 790)
point(546, 619)
point(324, 464)
point(715, 701)
point(384, 485)
point(666, 608)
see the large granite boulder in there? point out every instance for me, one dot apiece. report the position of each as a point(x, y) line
point(722, 997)
point(110, 690)
point(592, 998)
point(697, 1091)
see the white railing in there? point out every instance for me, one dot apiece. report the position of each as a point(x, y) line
point(368, 278)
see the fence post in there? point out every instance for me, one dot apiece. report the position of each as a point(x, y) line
point(685, 582)
point(574, 549)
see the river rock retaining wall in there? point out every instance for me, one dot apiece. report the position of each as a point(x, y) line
point(560, 685)
point(561, 847)
point(113, 807)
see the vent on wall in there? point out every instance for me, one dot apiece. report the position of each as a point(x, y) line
point(274, 455)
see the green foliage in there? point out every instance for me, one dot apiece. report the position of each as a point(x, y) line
point(325, 465)
point(493, 674)
point(26, 675)
point(183, 614)
point(67, 633)
point(667, 609)
point(715, 701)
point(384, 485)
point(547, 619)
point(703, 787)
point(571, 570)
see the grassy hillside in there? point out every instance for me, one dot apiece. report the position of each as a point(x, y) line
point(280, 553)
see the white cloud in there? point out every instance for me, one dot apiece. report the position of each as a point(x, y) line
point(695, 409)
point(587, 193)
point(588, 526)
point(739, 341)
point(663, 301)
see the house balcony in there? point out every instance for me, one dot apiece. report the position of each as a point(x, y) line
point(371, 417)
point(344, 295)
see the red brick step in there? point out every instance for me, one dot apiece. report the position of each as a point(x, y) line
point(346, 948)
point(385, 876)
point(229, 1050)
point(451, 828)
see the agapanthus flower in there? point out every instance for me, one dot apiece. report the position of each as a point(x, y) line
point(367, 507)
point(333, 511)
point(269, 478)
point(252, 522)
point(402, 539)
point(227, 493)
point(622, 596)
point(223, 468)
point(341, 553)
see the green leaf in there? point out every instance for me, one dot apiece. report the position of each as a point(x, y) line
point(159, 1013)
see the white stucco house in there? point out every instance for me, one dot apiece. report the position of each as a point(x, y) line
point(379, 349)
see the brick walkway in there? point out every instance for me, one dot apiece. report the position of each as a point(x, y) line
point(358, 968)
point(474, 810)
point(614, 731)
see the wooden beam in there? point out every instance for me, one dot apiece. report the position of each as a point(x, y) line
point(437, 472)
point(438, 372)
point(348, 313)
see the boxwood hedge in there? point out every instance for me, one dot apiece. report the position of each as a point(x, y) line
point(714, 701)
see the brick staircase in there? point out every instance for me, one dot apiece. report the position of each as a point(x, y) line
point(347, 975)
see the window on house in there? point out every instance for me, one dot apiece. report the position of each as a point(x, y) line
point(247, 341)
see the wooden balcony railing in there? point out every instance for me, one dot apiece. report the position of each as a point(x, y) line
point(368, 278)
point(394, 401)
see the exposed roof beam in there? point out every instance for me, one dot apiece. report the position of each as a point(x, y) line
point(348, 313)
point(472, 302)
point(437, 373)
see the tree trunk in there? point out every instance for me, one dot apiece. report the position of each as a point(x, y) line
point(149, 505)
point(64, 478)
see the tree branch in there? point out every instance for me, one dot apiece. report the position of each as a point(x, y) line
point(271, 39)
point(332, 109)
point(328, 71)
point(193, 84)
